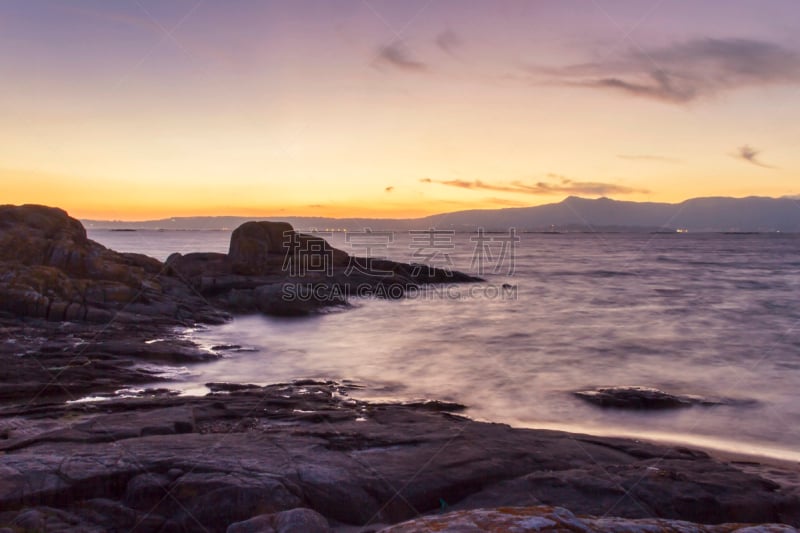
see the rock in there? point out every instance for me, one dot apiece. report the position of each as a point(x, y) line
point(437, 405)
point(263, 451)
point(193, 265)
point(297, 299)
point(87, 359)
point(51, 270)
point(146, 491)
point(558, 519)
point(260, 247)
point(31, 520)
point(301, 521)
point(294, 521)
point(229, 387)
point(258, 524)
point(640, 398)
point(216, 500)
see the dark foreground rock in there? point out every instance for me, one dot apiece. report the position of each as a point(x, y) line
point(557, 519)
point(205, 463)
point(43, 361)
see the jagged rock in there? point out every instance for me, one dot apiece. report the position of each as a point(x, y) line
point(270, 449)
point(50, 269)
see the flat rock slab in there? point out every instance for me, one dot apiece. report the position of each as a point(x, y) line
point(647, 398)
point(558, 519)
point(205, 463)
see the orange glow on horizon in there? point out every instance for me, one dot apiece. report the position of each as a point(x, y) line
point(255, 119)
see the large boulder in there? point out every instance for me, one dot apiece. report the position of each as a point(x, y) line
point(257, 247)
point(34, 235)
point(50, 269)
point(266, 247)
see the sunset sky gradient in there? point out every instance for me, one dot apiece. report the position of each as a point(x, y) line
point(144, 109)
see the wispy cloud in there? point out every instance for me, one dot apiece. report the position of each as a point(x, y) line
point(113, 16)
point(684, 72)
point(751, 155)
point(397, 55)
point(647, 157)
point(449, 42)
point(556, 185)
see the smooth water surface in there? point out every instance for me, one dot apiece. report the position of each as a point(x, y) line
point(713, 315)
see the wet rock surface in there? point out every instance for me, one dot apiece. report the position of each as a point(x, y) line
point(78, 320)
point(185, 463)
point(647, 398)
point(557, 519)
point(43, 361)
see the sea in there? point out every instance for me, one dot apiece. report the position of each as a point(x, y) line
point(712, 315)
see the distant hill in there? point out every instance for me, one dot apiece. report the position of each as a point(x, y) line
point(716, 214)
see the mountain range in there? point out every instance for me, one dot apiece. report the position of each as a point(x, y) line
point(712, 214)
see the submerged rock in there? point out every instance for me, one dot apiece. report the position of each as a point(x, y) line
point(640, 398)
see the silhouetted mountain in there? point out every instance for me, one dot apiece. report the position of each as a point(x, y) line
point(752, 214)
point(697, 214)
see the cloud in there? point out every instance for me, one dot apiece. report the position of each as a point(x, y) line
point(426, 180)
point(646, 157)
point(389, 189)
point(477, 184)
point(396, 55)
point(114, 17)
point(557, 185)
point(449, 41)
point(750, 154)
point(684, 72)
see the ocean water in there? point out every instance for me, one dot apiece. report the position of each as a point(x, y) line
point(704, 314)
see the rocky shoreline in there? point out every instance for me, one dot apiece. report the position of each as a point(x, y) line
point(80, 320)
point(165, 463)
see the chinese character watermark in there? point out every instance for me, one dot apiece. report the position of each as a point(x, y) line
point(494, 251)
point(433, 247)
point(367, 242)
point(307, 253)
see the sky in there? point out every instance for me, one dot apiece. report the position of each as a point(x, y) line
point(137, 109)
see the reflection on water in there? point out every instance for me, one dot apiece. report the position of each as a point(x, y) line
point(713, 315)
